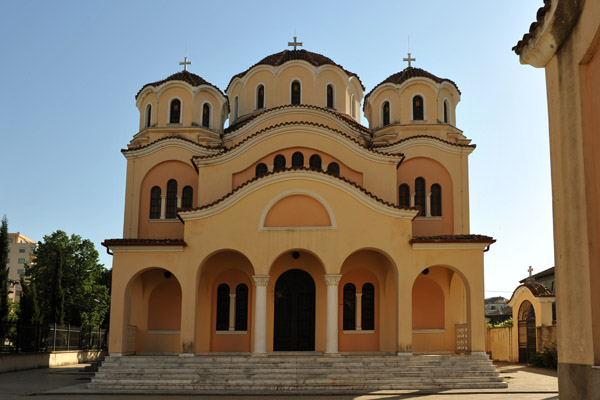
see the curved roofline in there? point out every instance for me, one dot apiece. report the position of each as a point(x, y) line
point(184, 76)
point(473, 146)
point(187, 142)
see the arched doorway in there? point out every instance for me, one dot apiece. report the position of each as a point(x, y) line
point(294, 325)
point(527, 334)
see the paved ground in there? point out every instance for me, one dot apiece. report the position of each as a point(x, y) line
point(524, 383)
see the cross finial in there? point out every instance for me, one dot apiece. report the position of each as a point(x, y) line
point(530, 271)
point(295, 43)
point(409, 59)
point(185, 63)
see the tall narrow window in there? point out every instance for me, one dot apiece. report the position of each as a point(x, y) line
point(175, 112)
point(171, 198)
point(261, 169)
point(315, 162)
point(236, 104)
point(241, 307)
point(329, 96)
point(148, 115)
point(368, 307)
point(260, 97)
point(333, 169)
point(297, 159)
point(279, 162)
point(445, 111)
point(187, 198)
point(295, 92)
point(352, 107)
point(418, 107)
point(223, 307)
point(404, 195)
point(206, 115)
point(436, 200)
point(386, 113)
point(420, 195)
point(349, 317)
point(155, 203)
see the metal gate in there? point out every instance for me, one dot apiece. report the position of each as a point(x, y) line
point(527, 335)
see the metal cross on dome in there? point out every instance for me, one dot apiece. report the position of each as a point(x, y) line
point(295, 43)
point(409, 59)
point(185, 63)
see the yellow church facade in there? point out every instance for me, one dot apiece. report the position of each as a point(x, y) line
point(296, 228)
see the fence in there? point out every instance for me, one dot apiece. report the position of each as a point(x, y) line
point(25, 338)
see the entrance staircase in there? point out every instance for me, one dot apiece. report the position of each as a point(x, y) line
point(295, 372)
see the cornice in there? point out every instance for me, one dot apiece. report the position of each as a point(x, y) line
point(427, 140)
point(169, 141)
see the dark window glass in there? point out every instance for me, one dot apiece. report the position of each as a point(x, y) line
point(349, 311)
point(333, 169)
point(175, 112)
point(445, 112)
point(155, 203)
point(417, 108)
point(206, 115)
point(404, 195)
point(279, 162)
point(296, 92)
point(315, 162)
point(436, 200)
point(329, 96)
point(368, 307)
point(260, 97)
point(241, 307)
point(420, 195)
point(187, 198)
point(386, 113)
point(236, 104)
point(148, 115)
point(171, 198)
point(297, 159)
point(261, 169)
point(223, 307)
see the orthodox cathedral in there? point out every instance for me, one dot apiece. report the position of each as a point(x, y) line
point(296, 228)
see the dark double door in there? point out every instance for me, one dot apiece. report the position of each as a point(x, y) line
point(294, 312)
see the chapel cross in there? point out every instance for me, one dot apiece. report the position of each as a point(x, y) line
point(409, 59)
point(185, 63)
point(530, 271)
point(295, 43)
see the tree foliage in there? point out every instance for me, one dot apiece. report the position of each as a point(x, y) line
point(4, 306)
point(68, 281)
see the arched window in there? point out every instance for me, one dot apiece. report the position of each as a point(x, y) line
point(333, 169)
point(315, 162)
point(187, 198)
point(148, 115)
point(418, 108)
point(175, 112)
point(296, 92)
point(330, 96)
point(223, 307)
point(206, 115)
point(236, 104)
point(436, 200)
point(385, 110)
point(261, 169)
point(446, 120)
point(420, 195)
point(279, 163)
point(368, 307)
point(297, 159)
point(241, 307)
point(171, 198)
point(404, 195)
point(155, 203)
point(260, 97)
point(349, 317)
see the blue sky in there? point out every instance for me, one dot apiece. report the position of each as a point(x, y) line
point(70, 71)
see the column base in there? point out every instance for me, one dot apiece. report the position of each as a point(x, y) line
point(332, 354)
point(403, 354)
point(187, 355)
point(259, 354)
point(578, 381)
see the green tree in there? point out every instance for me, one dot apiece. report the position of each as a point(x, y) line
point(29, 312)
point(68, 267)
point(4, 310)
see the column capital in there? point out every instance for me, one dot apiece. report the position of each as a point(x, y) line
point(332, 280)
point(261, 280)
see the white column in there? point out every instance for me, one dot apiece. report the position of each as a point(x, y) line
point(358, 307)
point(260, 314)
point(412, 199)
point(232, 311)
point(178, 201)
point(428, 205)
point(332, 281)
point(163, 206)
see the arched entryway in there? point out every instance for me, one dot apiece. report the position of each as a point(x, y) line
point(294, 313)
point(527, 335)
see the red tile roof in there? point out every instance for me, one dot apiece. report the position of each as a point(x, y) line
point(540, 17)
point(184, 76)
point(453, 239)
point(281, 58)
point(536, 289)
point(143, 242)
point(542, 274)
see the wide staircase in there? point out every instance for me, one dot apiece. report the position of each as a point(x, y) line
point(305, 373)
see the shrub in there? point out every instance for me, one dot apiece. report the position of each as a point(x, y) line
point(547, 359)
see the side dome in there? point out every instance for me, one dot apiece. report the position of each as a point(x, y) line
point(412, 96)
point(295, 77)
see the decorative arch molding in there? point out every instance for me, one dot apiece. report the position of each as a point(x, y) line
point(169, 142)
point(297, 192)
point(430, 141)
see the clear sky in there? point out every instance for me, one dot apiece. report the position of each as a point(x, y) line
point(70, 71)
